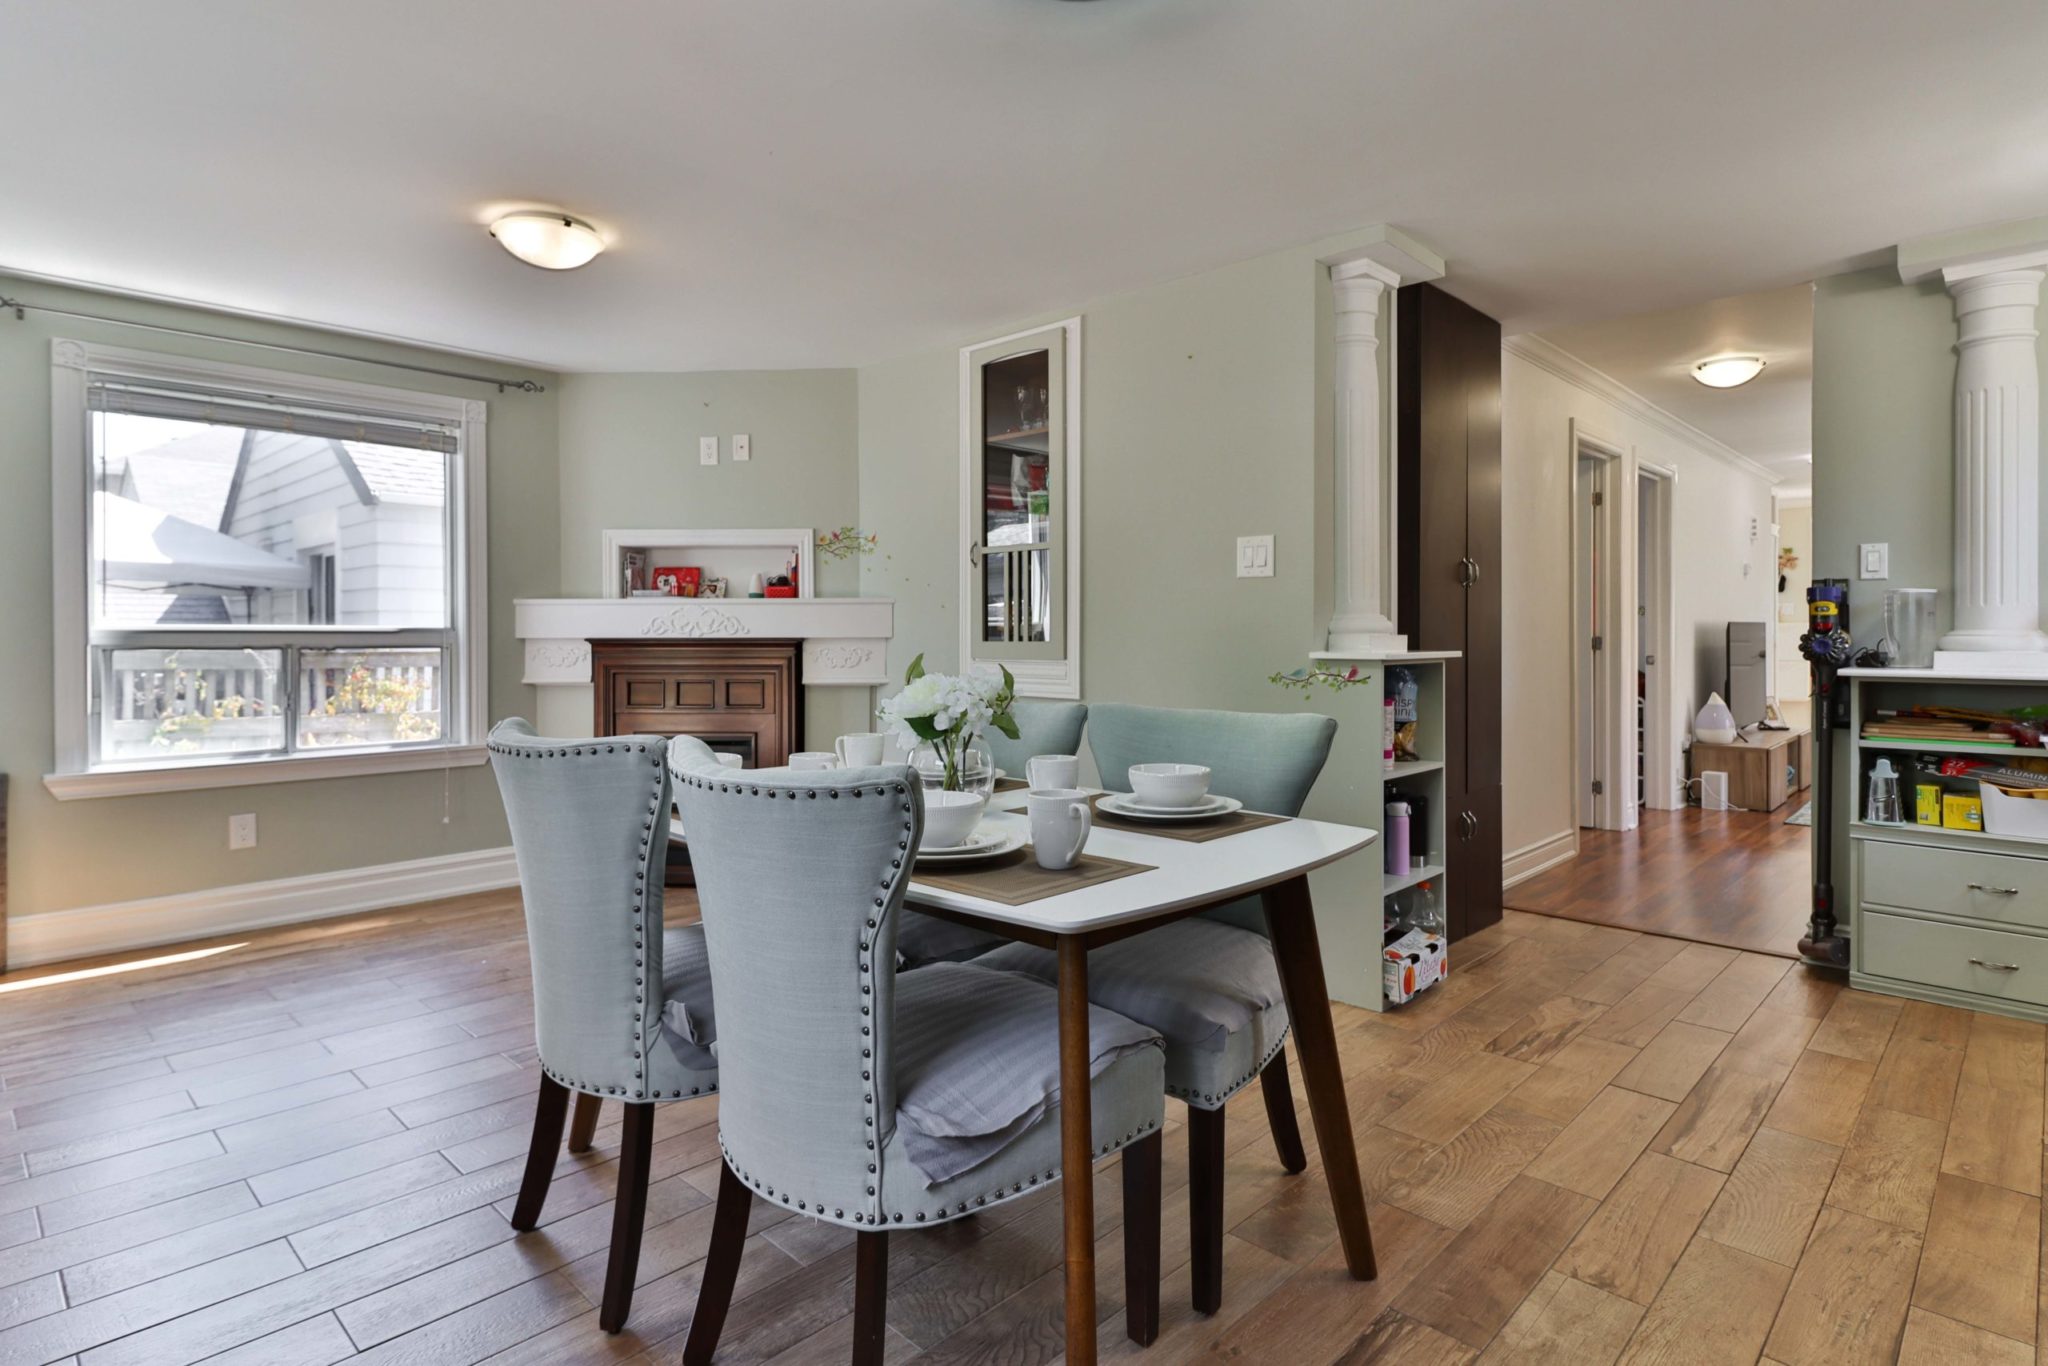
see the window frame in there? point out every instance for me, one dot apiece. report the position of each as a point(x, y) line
point(1056, 676)
point(465, 640)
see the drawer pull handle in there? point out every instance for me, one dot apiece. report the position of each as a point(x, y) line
point(1994, 891)
point(1996, 967)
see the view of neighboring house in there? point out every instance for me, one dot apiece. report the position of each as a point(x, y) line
point(222, 524)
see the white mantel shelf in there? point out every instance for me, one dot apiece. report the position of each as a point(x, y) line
point(1385, 656)
point(845, 640)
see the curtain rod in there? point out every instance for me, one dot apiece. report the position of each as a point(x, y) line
point(523, 386)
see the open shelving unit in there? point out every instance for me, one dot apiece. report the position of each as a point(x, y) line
point(1954, 916)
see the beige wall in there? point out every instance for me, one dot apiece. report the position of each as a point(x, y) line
point(83, 853)
point(1715, 502)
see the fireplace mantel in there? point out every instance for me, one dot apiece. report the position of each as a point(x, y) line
point(845, 640)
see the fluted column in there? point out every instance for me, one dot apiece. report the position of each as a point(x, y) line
point(1363, 617)
point(1998, 463)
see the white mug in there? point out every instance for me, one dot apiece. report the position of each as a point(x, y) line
point(812, 760)
point(1053, 770)
point(1060, 820)
point(862, 749)
point(731, 761)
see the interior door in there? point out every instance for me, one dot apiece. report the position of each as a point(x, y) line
point(1748, 670)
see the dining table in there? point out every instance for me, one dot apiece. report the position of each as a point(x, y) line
point(1180, 877)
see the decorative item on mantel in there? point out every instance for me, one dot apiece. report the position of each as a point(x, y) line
point(940, 717)
point(847, 543)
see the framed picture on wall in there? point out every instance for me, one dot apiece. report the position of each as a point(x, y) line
point(679, 581)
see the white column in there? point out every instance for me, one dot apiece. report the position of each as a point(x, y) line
point(1998, 462)
point(1363, 616)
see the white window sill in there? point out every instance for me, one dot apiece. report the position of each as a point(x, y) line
point(132, 782)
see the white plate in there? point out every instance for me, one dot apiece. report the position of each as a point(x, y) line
point(987, 841)
point(1124, 805)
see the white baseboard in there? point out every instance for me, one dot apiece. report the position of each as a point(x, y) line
point(54, 936)
point(1531, 859)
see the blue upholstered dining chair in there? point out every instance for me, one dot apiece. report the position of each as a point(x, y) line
point(1208, 983)
point(866, 1098)
point(1042, 728)
point(622, 1005)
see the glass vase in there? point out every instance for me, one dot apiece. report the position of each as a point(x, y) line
point(956, 763)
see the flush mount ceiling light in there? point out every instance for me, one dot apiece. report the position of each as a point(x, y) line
point(1726, 372)
point(550, 240)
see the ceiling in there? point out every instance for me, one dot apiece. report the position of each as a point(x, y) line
point(813, 182)
point(1769, 419)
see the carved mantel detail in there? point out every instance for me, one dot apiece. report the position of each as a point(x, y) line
point(696, 623)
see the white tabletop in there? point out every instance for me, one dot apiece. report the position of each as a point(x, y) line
point(1184, 873)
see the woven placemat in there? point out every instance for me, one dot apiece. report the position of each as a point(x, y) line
point(1015, 879)
point(1193, 832)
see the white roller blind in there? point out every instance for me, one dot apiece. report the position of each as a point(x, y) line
point(108, 394)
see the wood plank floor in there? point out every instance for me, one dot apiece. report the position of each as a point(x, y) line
point(1739, 879)
point(1586, 1146)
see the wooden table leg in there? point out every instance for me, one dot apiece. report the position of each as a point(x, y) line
point(1077, 1151)
point(1291, 923)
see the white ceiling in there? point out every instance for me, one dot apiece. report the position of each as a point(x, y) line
point(818, 182)
point(1769, 419)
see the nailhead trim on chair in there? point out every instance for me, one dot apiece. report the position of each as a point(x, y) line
point(1209, 1102)
point(641, 881)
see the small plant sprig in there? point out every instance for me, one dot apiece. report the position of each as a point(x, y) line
point(846, 543)
point(1307, 679)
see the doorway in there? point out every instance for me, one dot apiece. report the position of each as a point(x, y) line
point(1658, 785)
point(1601, 778)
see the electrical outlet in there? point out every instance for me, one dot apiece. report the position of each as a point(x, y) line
point(707, 450)
point(242, 831)
point(742, 447)
point(1255, 557)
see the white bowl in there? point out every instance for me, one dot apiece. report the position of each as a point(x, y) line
point(950, 817)
point(1169, 784)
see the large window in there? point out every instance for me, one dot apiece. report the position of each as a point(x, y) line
point(266, 571)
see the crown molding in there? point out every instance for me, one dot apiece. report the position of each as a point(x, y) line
point(1557, 361)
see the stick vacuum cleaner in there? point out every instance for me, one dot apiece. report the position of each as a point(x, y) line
point(1826, 647)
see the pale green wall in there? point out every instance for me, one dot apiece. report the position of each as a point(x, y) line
point(629, 459)
point(1203, 418)
point(115, 849)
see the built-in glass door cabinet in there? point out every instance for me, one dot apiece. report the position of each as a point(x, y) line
point(1019, 505)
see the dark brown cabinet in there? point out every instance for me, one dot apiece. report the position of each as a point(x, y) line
point(1447, 383)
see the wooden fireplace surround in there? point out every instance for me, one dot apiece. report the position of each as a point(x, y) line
point(738, 699)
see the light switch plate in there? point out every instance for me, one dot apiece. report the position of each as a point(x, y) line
point(1874, 560)
point(742, 447)
point(1255, 557)
point(707, 450)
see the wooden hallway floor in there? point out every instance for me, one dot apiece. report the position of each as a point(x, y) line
point(1739, 879)
point(1588, 1145)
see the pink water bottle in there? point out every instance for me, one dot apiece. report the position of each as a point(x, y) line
point(1395, 838)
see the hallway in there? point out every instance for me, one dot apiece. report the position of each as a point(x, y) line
point(1734, 878)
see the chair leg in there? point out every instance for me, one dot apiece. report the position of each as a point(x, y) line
point(1205, 1207)
point(1280, 1117)
point(548, 1111)
point(721, 1267)
point(583, 1123)
point(870, 1297)
point(1141, 1164)
point(629, 1214)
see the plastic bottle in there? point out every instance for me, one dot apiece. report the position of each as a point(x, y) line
point(1425, 912)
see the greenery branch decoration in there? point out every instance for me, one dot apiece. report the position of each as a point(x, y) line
point(847, 543)
point(1307, 679)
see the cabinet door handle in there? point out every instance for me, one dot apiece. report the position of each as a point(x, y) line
point(1475, 572)
point(1994, 891)
point(1996, 967)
